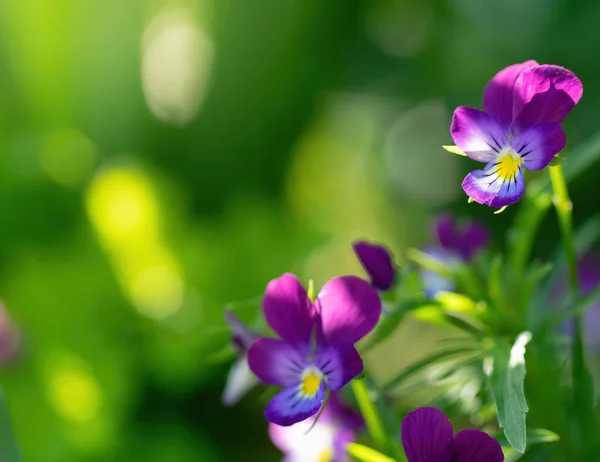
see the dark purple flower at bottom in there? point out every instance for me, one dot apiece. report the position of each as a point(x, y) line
point(327, 439)
point(457, 244)
point(427, 436)
point(377, 262)
point(316, 351)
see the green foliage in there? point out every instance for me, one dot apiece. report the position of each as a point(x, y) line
point(9, 450)
point(506, 372)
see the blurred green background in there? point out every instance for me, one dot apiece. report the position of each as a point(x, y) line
point(160, 159)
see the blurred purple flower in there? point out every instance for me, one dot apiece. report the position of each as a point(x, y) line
point(589, 279)
point(240, 379)
point(326, 440)
point(377, 262)
point(10, 337)
point(316, 351)
point(457, 244)
point(427, 436)
point(520, 128)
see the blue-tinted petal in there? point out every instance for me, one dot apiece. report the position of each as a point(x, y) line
point(339, 364)
point(538, 145)
point(427, 435)
point(493, 188)
point(291, 405)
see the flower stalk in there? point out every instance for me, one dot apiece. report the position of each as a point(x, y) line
point(370, 414)
point(580, 374)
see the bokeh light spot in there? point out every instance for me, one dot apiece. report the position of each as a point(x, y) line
point(177, 59)
point(74, 391)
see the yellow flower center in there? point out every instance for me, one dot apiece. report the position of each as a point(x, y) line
point(311, 382)
point(508, 165)
point(325, 456)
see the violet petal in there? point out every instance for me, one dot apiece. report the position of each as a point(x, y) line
point(377, 262)
point(289, 406)
point(498, 93)
point(427, 435)
point(339, 364)
point(473, 445)
point(538, 145)
point(288, 309)
point(349, 309)
point(276, 362)
point(545, 93)
point(486, 187)
point(477, 134)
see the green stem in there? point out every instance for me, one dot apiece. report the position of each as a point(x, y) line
point(580, 374)
point(370, 414)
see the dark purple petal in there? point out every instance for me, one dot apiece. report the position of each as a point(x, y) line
point(477, 134)
point(349, 309)
point(241, 334)
point(339, 364)
point(498, 93)
point(447, 232)
point(239, 381)
point(538, 145)
point(288, 309)
point(276, 362)
point(487, 187)
point(473, 445)
point(377, 262)
point(290, 406)
point(545, 93)
point(427, 435)
point(475, 237)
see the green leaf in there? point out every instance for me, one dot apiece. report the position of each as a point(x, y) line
point(9, 450)
point(507, 377)
point(534, 436)
point(454, 150)
point(366, 454)
point(429, 360)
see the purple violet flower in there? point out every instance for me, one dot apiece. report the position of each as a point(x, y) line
point(240, 379)
point(457, 244)
point(427, 436)
point(520, 128)
point(377, 262)
point(316, 351)
point(326, 440)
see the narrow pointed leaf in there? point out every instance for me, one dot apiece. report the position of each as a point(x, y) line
point(366, 454)
point(507, 378)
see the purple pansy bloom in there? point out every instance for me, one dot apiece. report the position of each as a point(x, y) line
point(326, 440)
point(457, 244)
point(377, 262)
point(240, 379)
point(520, 128)
point(427, 436)
point(316, 351)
